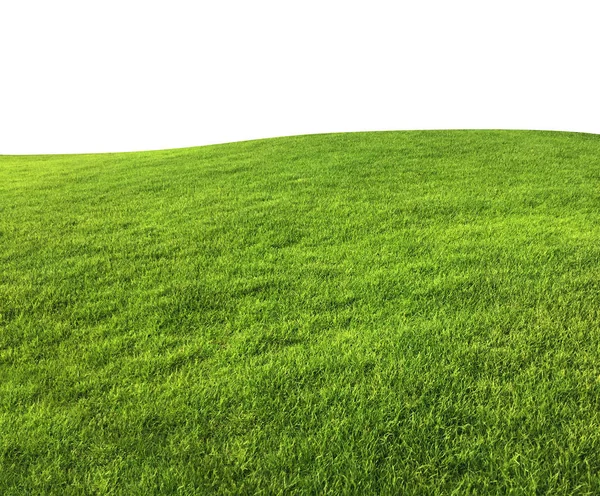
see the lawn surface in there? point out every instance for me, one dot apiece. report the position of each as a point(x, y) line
point(364, 313)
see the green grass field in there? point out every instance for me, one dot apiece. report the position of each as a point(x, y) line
point(362, 313)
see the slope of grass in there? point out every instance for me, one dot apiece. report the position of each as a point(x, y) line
point(364, 313)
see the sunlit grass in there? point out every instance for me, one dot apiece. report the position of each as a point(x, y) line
point(364, 313)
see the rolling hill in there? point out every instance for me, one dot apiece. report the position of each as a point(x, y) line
point(358, 313)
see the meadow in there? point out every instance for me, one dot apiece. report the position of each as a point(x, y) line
point(411, 312)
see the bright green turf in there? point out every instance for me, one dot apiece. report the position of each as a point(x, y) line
point(365, 313)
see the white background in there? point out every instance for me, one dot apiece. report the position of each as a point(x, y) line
point(119, 75)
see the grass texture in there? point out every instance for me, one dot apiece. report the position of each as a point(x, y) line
point(362, 313)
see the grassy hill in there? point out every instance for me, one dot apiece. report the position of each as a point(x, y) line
point(362, 313)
